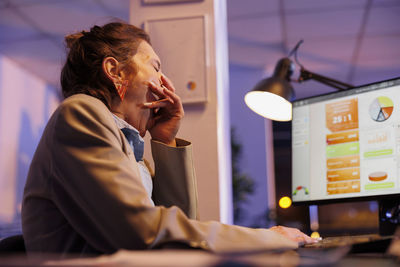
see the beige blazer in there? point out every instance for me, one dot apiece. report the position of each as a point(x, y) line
point(84, 192)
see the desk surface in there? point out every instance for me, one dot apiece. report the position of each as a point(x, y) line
point(367, 260)
point(160, 258)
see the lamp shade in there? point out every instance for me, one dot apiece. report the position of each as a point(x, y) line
point(271, 97)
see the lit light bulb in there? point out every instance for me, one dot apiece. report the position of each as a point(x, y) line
point(285, 202)
point(315, 235)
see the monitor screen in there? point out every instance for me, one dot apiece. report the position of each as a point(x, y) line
point(346, 144)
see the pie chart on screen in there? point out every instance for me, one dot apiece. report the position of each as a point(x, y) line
point(377, 176)
point(381, 108)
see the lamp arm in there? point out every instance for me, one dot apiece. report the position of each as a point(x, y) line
point(308, 75)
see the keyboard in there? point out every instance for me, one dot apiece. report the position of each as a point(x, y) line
point(358, 244)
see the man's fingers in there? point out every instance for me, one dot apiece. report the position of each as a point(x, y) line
point(307, 239)
point(171, 95)
point(294, 234)
point(160, 92)
point(157, 104)
point(167, 82)
point(156, 89)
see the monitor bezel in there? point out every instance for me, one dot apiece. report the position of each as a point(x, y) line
point(344, 199)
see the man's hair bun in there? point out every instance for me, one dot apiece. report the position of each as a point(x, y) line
point(71, 39)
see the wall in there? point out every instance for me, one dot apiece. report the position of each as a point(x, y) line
point(206, 124)
point(254, 133)
point(26, 103)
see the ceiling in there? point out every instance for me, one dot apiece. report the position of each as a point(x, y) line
point(32, 31)
point(354, 41)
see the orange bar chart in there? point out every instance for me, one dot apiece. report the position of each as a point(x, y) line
point(343, 174)
point(343, 187)
point(342, 147)
point(343, 162)
point(342, 137)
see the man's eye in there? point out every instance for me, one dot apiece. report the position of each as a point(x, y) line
point(156, 68)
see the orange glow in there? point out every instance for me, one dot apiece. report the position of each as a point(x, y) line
point(315, 235)
point(285, 202)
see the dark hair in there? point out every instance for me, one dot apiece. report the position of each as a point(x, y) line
point(83, 73)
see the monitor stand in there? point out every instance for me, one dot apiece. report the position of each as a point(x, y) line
point(389, 216)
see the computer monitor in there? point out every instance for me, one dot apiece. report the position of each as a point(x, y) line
point(346, 146)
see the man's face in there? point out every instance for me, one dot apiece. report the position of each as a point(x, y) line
point(147, 69)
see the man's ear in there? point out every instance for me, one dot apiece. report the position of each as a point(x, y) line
point(111, 69)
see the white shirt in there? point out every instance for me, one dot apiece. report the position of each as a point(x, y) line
point(144, 171)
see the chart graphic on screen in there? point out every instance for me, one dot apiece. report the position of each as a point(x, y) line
point(381, 108)
point(346, 147)
point(347, 144)
point(377, 176)
point(342, 147)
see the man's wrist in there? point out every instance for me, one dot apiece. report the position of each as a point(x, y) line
point(178, 142)
point(171, 143)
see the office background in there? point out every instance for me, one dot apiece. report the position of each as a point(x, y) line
point(353, 41)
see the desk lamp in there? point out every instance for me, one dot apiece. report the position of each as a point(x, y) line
point(271, 97)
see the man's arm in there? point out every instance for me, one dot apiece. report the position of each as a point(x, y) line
point(175, 178)
point(111, 207)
